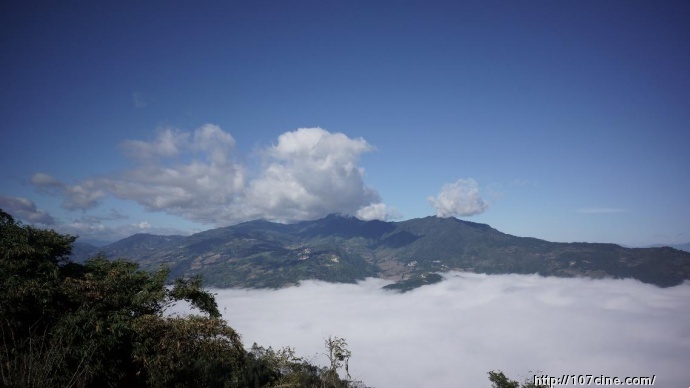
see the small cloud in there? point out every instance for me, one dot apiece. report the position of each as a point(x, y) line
point(45, 180)
point(601, 210)
point(78, 197)
point(168, 144)
point(81, 196)
point(26, 210)
point(377, 211)
point(461, 198)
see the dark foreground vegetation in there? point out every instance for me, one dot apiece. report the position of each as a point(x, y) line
point(102, 324)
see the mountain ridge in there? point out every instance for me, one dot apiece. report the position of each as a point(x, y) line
point(346, 249)
point(683, 247)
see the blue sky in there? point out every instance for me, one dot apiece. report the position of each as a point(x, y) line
point(566, 121)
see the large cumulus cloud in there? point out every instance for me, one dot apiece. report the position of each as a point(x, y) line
point(306, 174)
point(309, 173)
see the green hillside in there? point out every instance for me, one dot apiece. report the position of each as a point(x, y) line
point(345, 249)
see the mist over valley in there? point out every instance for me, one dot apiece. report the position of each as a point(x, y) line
point(452, 333)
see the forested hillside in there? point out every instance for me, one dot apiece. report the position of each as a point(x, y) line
point(338, 248)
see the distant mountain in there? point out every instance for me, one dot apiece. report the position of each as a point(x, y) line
point(131, 246)
point(683, 247)
point(346, 249)
point(82, 251)
point(139, 243)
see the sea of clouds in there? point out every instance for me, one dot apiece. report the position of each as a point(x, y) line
point(452, 333)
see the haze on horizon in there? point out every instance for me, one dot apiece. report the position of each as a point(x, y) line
point(564, 121)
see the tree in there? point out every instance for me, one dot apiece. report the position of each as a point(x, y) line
point(103, 324)
point(499, 380)
point(339, 358)
point(31, 305)
point(188, 352)
point(282, 368)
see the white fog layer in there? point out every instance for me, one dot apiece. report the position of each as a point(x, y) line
point(452, 333)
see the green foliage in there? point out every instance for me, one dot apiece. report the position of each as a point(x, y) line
point(29, 269)
point(191, 291)
point(283, 369)
point(339, 358)
point(499, 380)
point(102, 324)
point(34, 343)
point(97, 324)
point(188, 352)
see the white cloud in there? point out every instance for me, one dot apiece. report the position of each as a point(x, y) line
point(25, 209)
point(201, 189)
point(307, 174)
point(214, 142)
point(81, 196)
point(377, 211)
point(45, 180)
point(461, 198)
point(452, 333)
point(94, 228)
point(167, 144)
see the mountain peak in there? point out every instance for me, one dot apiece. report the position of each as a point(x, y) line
point(343, 248)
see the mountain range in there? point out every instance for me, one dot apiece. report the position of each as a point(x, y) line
point(260, 254)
